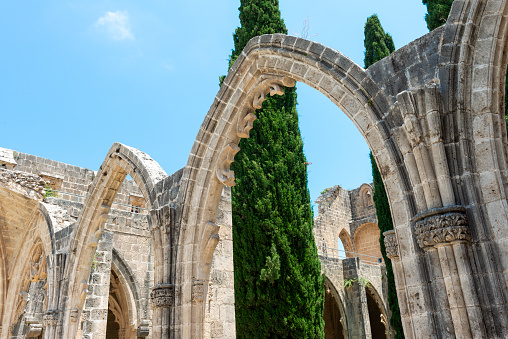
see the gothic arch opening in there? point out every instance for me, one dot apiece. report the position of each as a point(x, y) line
point(377, 318)
point(257, 73)
point(345, 238)
point(333, 314)
point(118, 323)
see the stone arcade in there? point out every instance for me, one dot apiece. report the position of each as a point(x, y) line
point(432, 114)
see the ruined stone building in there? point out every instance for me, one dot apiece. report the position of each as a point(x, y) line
point(432, 114)
point(41, 193)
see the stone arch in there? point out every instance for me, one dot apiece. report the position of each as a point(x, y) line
point(121, 305)
point(366, 240)
point(332, 293)
point(345, 238)
point(131, 286)
point(38, 237)
point(120, 161)
point(374, 300)
point(266, 64)
point(17, 293)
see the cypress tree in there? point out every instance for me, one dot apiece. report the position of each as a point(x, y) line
point(279, 289)
point(379, 45)
point(437, 12)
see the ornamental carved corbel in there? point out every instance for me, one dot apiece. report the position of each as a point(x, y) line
point(224, 173)
point(440, 226)
point(198, 291)
point(391, 245)
point(162, 295)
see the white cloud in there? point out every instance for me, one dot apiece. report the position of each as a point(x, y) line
point(116, 25)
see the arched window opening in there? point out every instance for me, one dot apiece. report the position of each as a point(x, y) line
point(345, 239)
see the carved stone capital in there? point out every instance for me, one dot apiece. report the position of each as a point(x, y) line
point(440, 226)
point(391, 245)
point(162, 295)
point(198, 291)
point(51, 318)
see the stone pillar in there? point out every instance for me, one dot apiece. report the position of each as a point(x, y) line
point(162, 295)
point(443, 233)
point(357, 312)
point(56, 267)
point(96, 303)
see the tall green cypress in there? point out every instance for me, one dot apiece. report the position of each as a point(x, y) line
point(437, 12)
point(379, 45)
point(279, 289)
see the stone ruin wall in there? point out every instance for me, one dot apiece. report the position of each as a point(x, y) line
point(334, 208)
point(128, 235)
point(72, 179)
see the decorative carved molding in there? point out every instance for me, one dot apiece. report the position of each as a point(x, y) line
point(198, 291)
point(391, 245)
point(272, 84)
point(441, 225)
point(224, 174)
point(162, 295)
point(51, 318)
point(259, 98)
point(245, 125)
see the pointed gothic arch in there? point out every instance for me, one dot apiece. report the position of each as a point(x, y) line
point(120, 161)
point(260, 71)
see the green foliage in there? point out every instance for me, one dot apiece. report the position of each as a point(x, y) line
point(437, 12)
point(272, 270)
point(385, 223)
point(279, 290)
point(378, 44)
point(362, 281)
point(49, 192)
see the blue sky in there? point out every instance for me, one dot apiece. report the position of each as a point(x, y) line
point(77, 76)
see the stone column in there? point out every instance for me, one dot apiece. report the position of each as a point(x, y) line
point(443, 233)
point(162, 295)
point(357, 312)
point(56, 267)
point(96, 303)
